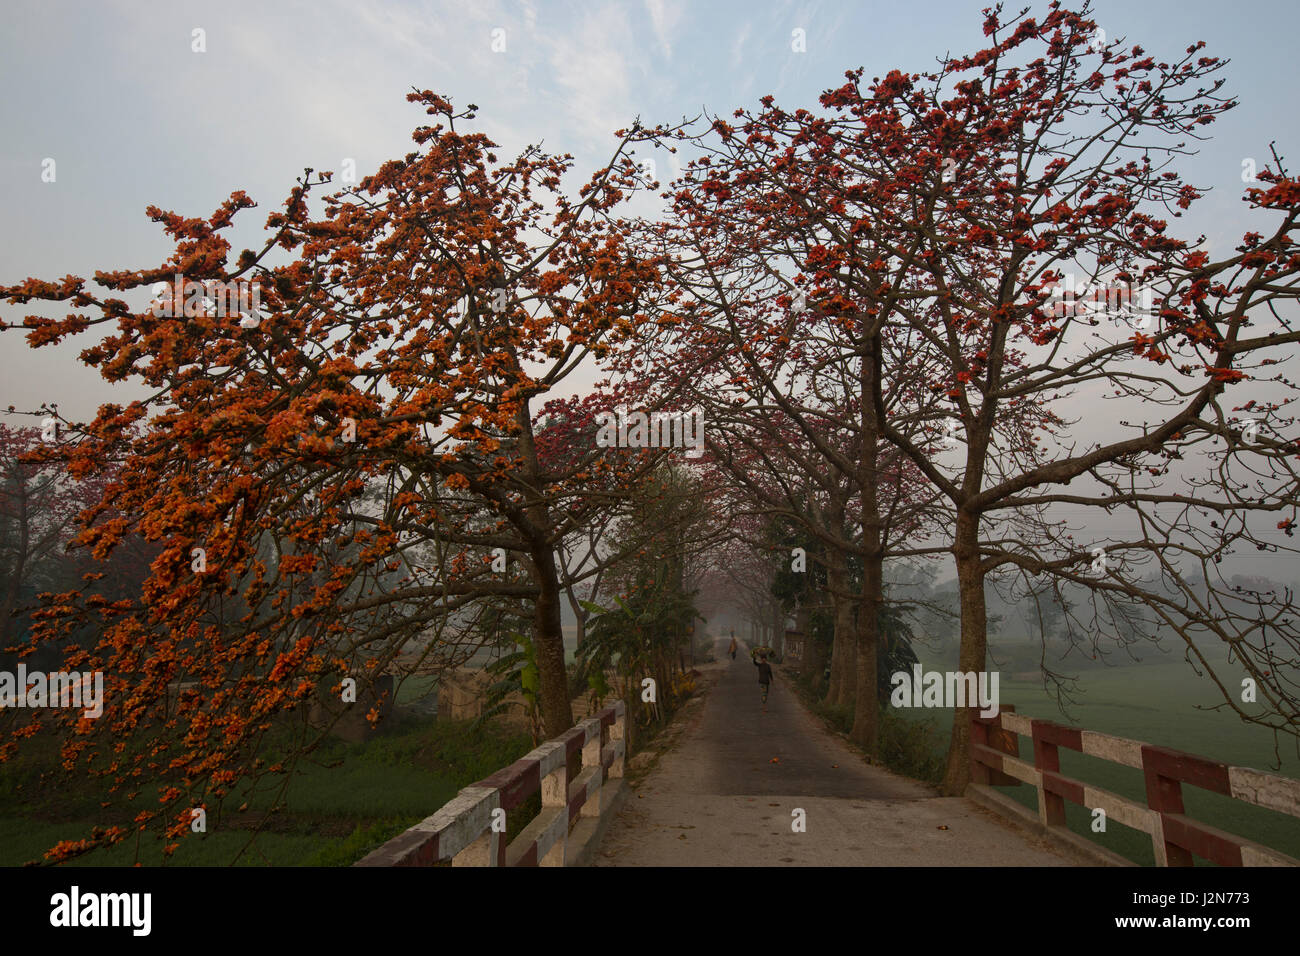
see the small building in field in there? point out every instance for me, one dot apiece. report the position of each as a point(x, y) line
point(463, 692)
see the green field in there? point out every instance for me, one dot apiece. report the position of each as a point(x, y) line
point(1156, 702)
point(353, 797)
point(348, 801)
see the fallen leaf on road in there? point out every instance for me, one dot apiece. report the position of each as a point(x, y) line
point(941, 828)
point(682, 837)
point(775, 760)
point(774, 804)
point(835, 766)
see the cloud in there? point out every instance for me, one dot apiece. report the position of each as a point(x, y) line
point(738, 48)
point(664, 18)
point(592, 68)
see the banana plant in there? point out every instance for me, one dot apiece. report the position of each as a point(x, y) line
point(896, 638)
point(516, 672)
point(609, 643)
point(635, 636)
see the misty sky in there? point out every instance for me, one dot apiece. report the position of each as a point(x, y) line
point(114, 93)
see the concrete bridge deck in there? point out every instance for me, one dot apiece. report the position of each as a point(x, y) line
point(724, 794)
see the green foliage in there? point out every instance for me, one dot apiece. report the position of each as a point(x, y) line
point(635, 636)
point(357, 844)
point(613, 640)
point(840, 718)
point(647, 625)
point(915, 748)
point(895, 652)
point(795, 588)
point(598, 684)
point(517, 672)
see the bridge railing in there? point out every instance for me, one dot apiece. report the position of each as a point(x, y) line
point(1175, 837)
point(470, 829)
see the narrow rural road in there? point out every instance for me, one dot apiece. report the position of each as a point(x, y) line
point(726, 794)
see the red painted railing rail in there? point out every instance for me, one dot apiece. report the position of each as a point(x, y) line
point(469, 829)
point(1175, 837)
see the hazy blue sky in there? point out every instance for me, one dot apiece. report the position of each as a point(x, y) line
point(116, 96)
point(131, 115)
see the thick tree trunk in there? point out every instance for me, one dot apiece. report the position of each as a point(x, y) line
point(974, 644)
point(816, 669)
point(548, 637)
point(844, 644)
point(557, 714)
point(866, 712)
point(14, 590)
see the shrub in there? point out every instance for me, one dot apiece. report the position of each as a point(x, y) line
point(912, 747)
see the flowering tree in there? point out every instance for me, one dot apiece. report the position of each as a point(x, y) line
point(1046, 157)
point(347, 457)
point(923, 247)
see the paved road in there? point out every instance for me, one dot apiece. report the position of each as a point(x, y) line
point(726, 792)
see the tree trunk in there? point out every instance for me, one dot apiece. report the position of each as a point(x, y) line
point(548, 639)
point(632, 714)
point(13, 592)
point(663, 676)
point(778, 629)
point(974, 644)
point(557, 714)
point(579, 616)
point(866, 712)
point(841, 690)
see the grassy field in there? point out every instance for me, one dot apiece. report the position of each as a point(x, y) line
point(1155, 702)
point(348, 801)
point(353, 797)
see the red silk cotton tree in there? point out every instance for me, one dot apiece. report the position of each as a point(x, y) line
point(935, 217)
point(788, 317)
point(351, 465)
point(1044, 155)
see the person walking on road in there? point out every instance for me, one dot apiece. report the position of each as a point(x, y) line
point(764, 677)
point(732, 649)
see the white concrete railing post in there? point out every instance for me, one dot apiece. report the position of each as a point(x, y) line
point(482, 852)
point(555, 799)
point(469, 825)
point(468, 832)
point(618, 739)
